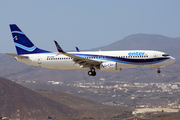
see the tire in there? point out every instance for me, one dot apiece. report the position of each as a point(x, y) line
point(158, 71)
point(90, 73)
point(93, 73)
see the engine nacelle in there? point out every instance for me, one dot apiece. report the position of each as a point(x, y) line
point(109, 67)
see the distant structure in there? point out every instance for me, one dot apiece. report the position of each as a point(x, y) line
point(135, 114)
point(18, 114)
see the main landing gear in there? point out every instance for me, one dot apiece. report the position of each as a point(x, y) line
point(158, 71)
point(92, 72)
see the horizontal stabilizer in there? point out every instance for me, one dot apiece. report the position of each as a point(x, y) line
point(18, 56)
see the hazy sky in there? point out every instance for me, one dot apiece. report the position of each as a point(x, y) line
point(86, 23)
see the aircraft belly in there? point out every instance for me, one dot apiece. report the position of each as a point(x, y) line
point(67, 65)
point(125, 65)
point(60, 65)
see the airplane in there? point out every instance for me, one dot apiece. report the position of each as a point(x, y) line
point(108, 61)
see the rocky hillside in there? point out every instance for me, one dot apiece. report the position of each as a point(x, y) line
point(87, 108)
point(40, 104)
point(32, 104)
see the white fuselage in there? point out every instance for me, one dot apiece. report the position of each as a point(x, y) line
point(124, 59)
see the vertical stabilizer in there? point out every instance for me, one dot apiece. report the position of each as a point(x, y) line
point(22, 43)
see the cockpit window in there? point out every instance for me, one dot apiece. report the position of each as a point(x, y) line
point(165, 55)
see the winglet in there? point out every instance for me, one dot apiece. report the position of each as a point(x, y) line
point(60, 50)
point(58, 47)
point(77, 49)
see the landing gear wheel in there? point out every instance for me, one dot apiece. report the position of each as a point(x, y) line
point(92, 72)
point(158, 71)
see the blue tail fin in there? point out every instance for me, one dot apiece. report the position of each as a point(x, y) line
point(22, 43)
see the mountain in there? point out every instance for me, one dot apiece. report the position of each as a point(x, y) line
point(87, 108)
point(40, 104)
point(14, 70)
point(146, 42)
point(32, 104)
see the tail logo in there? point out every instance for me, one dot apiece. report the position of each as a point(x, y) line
point(15, 38)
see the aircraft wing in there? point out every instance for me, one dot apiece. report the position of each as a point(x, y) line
point(18, 56)
point(79, 60)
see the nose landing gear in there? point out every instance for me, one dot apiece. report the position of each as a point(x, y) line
point(158, 71)
point(92, 72)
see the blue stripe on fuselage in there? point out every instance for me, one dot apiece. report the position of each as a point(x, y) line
point(144, 61)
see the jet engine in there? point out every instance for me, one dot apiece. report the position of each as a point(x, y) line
point(109, 67)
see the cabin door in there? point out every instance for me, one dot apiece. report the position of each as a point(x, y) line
point(39, 61)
